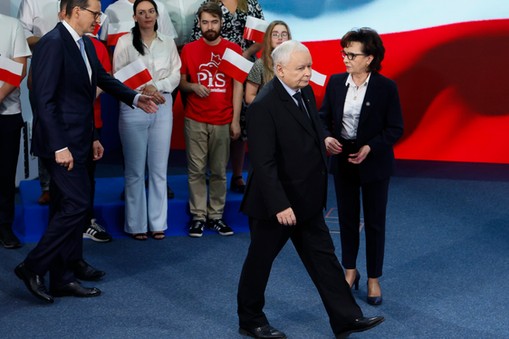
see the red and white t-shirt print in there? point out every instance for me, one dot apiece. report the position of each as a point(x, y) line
point(200, 64)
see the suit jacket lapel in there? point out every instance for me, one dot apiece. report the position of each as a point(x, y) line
point(368, 98)
point(292, 107)
point(75, 54)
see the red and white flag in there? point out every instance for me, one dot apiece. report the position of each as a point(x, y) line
point(318, 78)
point(134, 75)
point(98, 26)
point(235, 65)
point(115, 31)
point(10, 71)
point(255, 29)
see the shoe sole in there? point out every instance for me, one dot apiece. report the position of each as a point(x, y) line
point(346, 334)
point(249, 334)
point(88, 236)
point(225, 234)
point(195, 235)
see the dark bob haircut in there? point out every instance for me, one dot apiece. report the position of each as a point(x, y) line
point(371, 44)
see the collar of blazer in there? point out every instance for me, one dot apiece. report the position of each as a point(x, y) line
point(74, 51)
point(289, 104)
point(371, 93)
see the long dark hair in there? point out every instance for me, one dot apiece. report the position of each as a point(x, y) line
point(137, 42)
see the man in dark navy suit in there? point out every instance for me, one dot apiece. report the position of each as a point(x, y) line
point(285, 197)
point(65, 73)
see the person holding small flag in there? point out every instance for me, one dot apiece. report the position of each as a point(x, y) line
point(263, 70)
point(213, 102)
point(236, 17)
point(14, 52)
point(146, 139)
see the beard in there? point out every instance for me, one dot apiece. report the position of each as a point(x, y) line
point(210, 35)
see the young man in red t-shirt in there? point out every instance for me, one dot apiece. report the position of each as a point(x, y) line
point(212, 109)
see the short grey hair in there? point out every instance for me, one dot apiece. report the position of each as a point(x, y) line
point(282, 53)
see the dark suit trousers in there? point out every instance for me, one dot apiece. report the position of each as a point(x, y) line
point(10, 133)
point(316, 250)
point(62, 242)
point(374, 204)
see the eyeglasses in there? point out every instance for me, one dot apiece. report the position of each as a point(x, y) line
point(95, 14)
point(282, 35)
point(350, 56)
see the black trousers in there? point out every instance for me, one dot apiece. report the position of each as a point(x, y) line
point(62, 242)
point(315, 248)
point(374, 205)
point(10, 133)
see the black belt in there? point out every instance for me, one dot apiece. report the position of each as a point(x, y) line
point(350, 142)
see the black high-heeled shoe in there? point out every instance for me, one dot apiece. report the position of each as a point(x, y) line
point(375, 301)
point(355, 284)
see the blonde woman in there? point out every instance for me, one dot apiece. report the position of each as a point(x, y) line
point(263, 69)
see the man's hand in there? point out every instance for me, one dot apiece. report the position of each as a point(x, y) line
point(64, 158)
point(151, 91)
point(200, 90)
point(333, 146)
point(98, 150)
point(357, 158)
point(234, 130)
point(145, 103)
point(287, 217)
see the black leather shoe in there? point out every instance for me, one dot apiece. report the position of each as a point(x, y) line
point(7, 238)
point(265, 331)
point(74, 289)
point(360, 325)
point(33, 282)
point(83, 271)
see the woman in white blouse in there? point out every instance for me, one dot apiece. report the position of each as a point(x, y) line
point(146, 137)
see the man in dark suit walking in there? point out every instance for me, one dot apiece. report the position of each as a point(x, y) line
point(285, 197)
point(65, 73)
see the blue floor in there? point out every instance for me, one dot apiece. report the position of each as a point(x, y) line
point(445, 274)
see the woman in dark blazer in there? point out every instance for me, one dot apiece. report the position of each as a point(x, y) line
point(361, 116)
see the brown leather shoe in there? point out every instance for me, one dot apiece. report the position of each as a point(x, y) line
point(44, 198)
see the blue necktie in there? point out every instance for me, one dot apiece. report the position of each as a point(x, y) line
point(82, 50)
point(84, 56)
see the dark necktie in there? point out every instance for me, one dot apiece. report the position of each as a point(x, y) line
point(300, 102)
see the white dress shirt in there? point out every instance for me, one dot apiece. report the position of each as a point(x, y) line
point(352, 109)
point(161, 59)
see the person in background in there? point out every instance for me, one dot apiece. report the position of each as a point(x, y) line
point(13, 46)
point(182, 14)
point(96, 232)
point(146, 138)
point(38, 18)
point(212, 110)
point(65, 74)
point(235, 13)
point(263, 69)
point(285, 198)
point(121, 12)
point(362, 119)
